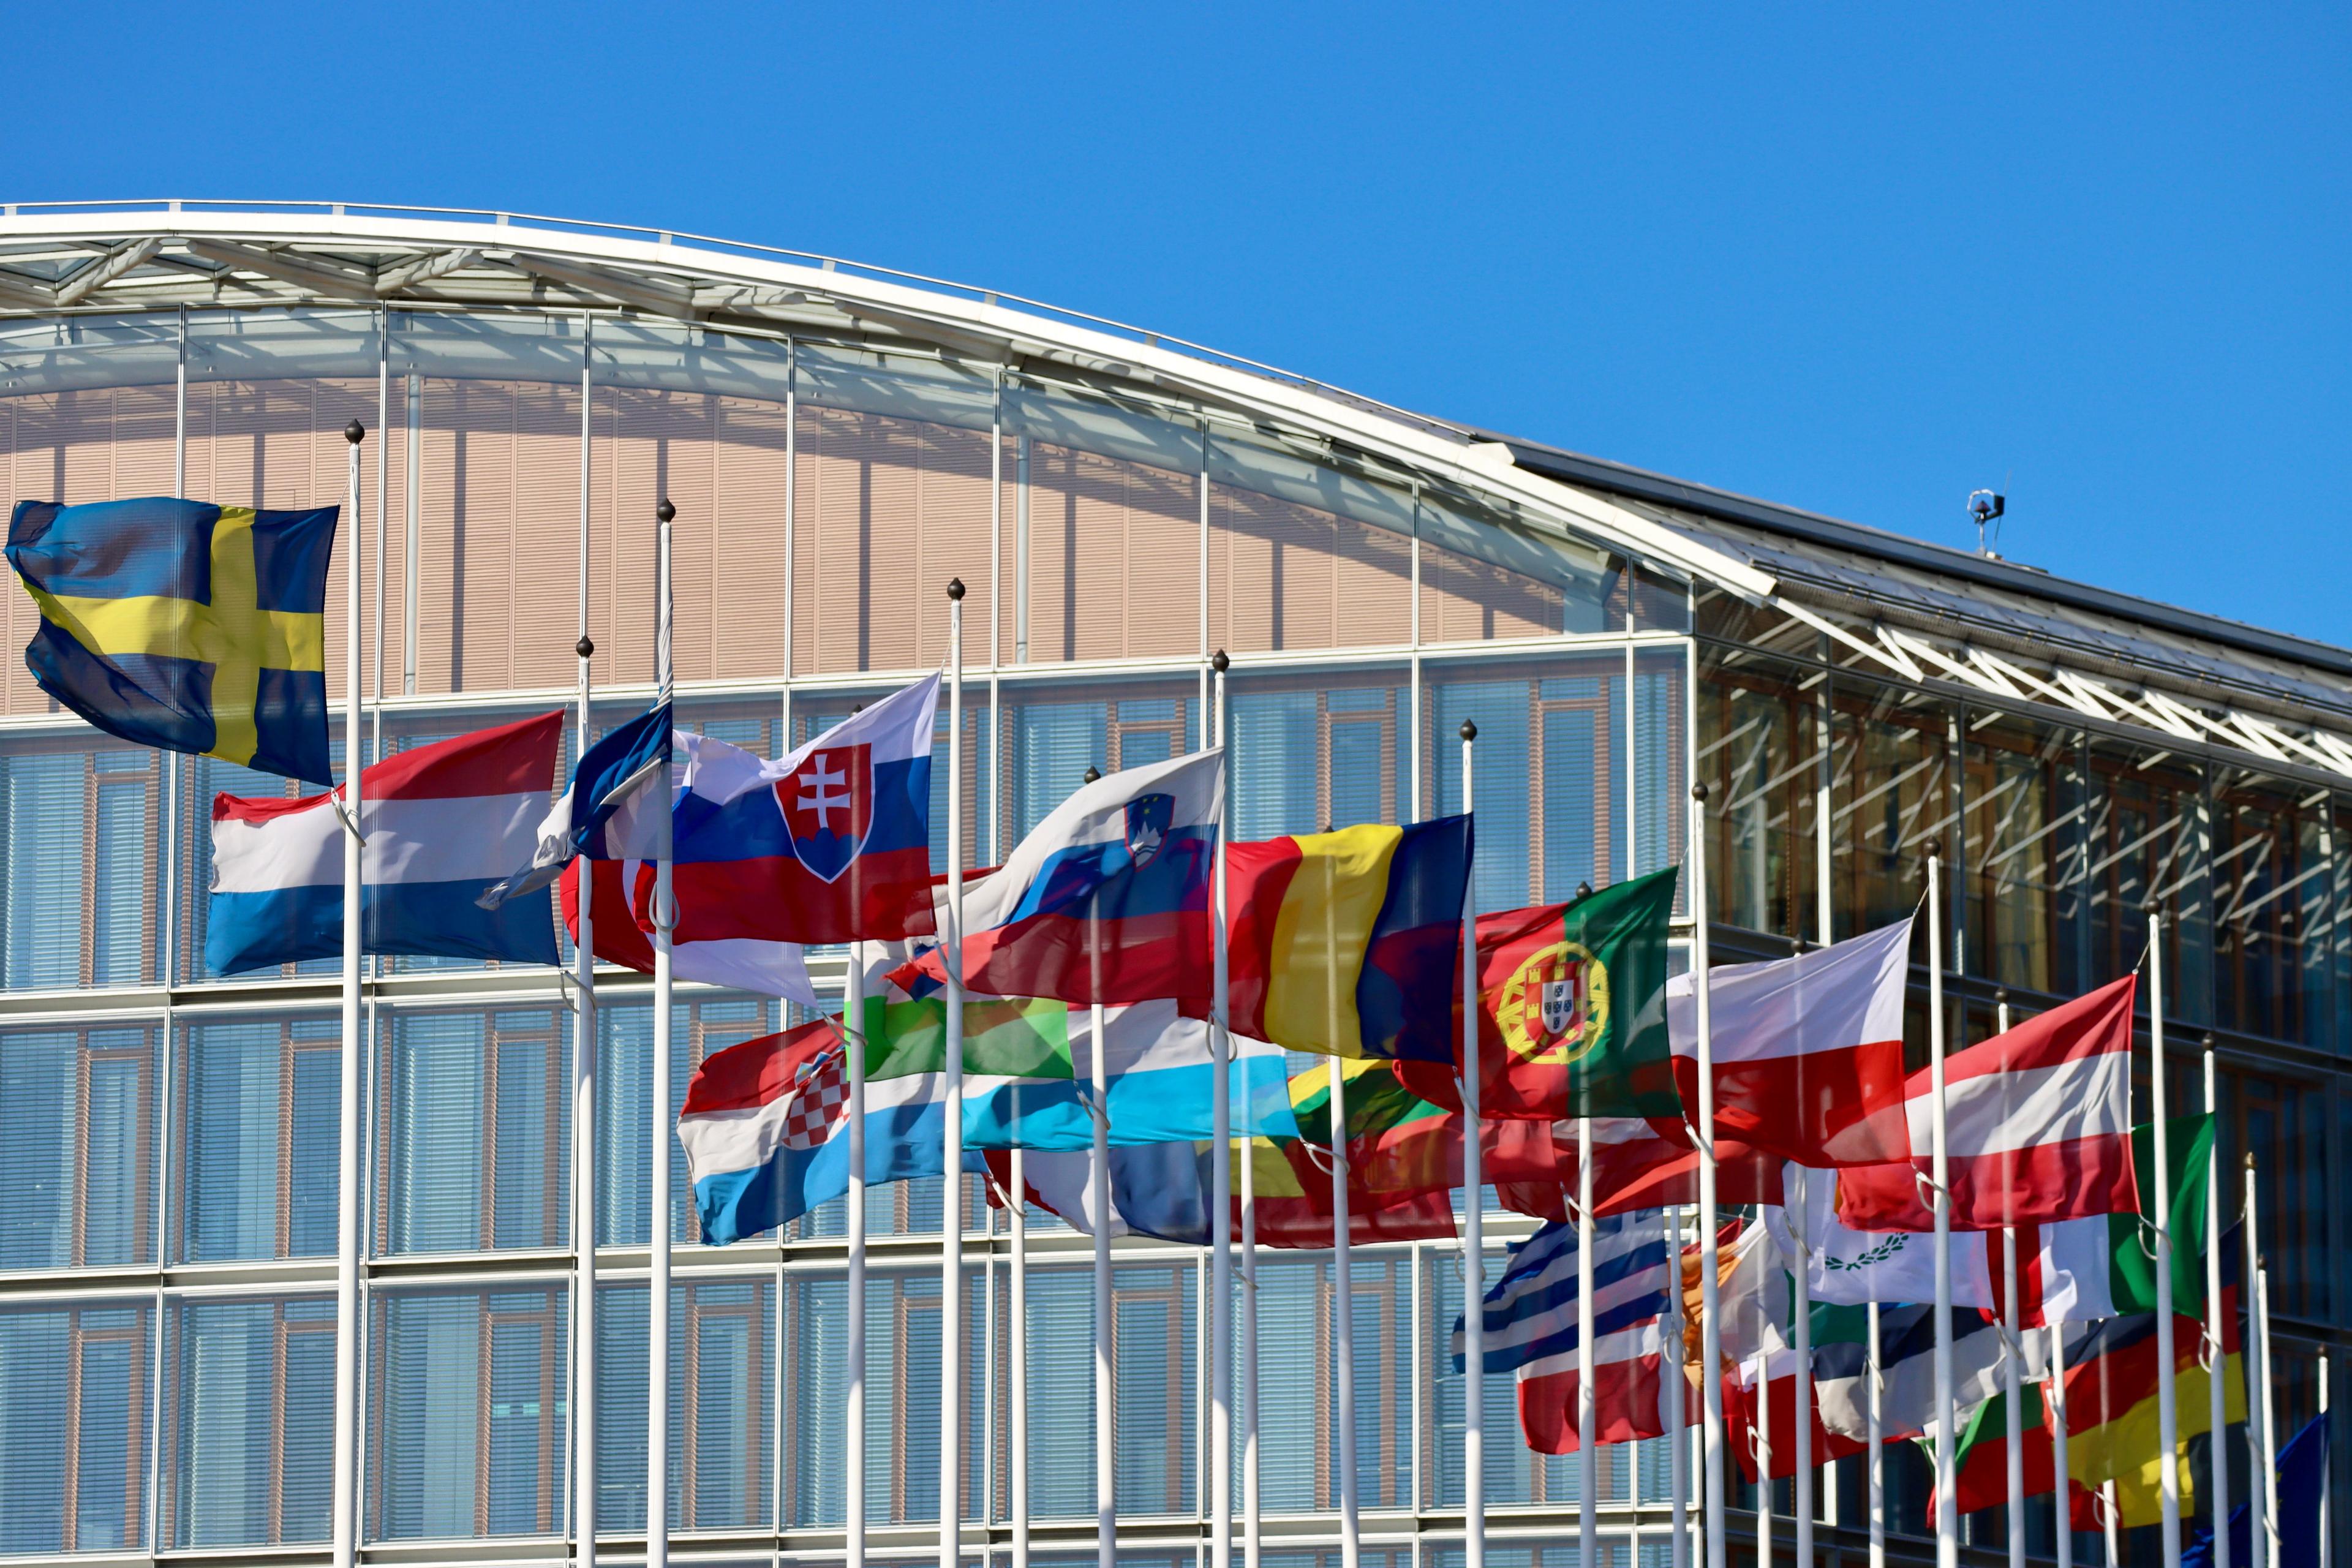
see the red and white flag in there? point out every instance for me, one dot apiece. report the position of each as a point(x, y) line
point(1807, 1050)
point(2037, 1126)
point(1636, 1164)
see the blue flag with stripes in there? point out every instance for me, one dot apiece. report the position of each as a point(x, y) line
point(1530, 1313)
point(184, 625)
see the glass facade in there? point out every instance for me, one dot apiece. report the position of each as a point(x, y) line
point(168, 1137)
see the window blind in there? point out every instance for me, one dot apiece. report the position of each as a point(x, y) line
point(721, 1393)
point(257, 1139)
point(77, 1147)
point(252, 1421)
point(816, 1324)
point(79, 1369)
point(469, 1413)
point(471, 1112)
point(625, 1068)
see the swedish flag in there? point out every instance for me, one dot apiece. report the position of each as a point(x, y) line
point(184, 625)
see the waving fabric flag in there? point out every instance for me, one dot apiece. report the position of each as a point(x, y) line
point(1807, 1050)
point(1348, 943)
point(1156, 1189)
point(829, 844)
point(1293, 1183)
point(1906, 1341)
point(2112, 1393)
point(616, 807)
point(1642, 1165)
point(766, 1130)
point(621, 917)
point(1763, 1410)
point(2038, 1126)
point(182, 625)
point(1531, 1324)
point(1980, 1457)
point(438, 822)
point(1851, 1267)
point(1115, 881)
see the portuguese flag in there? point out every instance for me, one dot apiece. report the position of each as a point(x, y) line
point(1572, 1010)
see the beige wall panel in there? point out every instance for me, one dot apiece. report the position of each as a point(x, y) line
point(661, 445)
point(540, 617)
point(34, 471)
point(1465, 600)
point(1290, 577)
point(888, 511)
point(392, 450)
point(746, 577)
point(1115, 551)
point(1371, 585)
point(437, 597)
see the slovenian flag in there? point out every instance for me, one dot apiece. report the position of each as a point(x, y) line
point(438, 822)
point(1349, 943)
point(766, 1130)
point(1114, 883)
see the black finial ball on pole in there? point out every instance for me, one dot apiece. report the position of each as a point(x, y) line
point(1584, 889)
point(1093, 775)
point(1469, 728)
point(584, 647)
point(955, 590)
point(1219, 662)
point(355, 432)
point(663, 511)
point(1698, 792)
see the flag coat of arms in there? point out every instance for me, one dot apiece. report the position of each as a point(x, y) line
point(831, 843)
point(439, 821)
point(184, 625)
point(1572, 1020)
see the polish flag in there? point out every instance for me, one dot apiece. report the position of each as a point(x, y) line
point(2037, 1123)
point(1807, 1050)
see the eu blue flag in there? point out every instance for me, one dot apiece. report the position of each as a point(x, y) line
point(182, 625)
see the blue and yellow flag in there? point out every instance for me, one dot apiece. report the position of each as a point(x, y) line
point(182, 625)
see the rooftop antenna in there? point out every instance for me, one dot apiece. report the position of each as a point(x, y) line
point(1986, 506)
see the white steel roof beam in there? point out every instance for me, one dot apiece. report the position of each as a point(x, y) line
point(105, 270)
point(643, 293)
point(425, 268)
point(330, 278)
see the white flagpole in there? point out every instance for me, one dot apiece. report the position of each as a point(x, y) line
point(2167, 1419)
point(1098, 1184)
point(2326, 1471)
point(2012, 1369)
point(1802, 1310)
point(2258, 1375)
point(2218, 1505)
point(952, 1122)
point(853, 1469)
point(1221, 1207)
point(2111, 1523)
point(657, 1281)
point(1710, 1308)
point(348, 1176)
point(1878, 1453)
point(1343, 1298)
point(1245, 1364)
point(1016, 1343)
point(1761, 1449)
point(2269, 1409)
point(1675, 1390)
point(1947, 1517)
point(1473, 1220)
point(1588, 1428)
point(584, 1083)
point(2055, 1412)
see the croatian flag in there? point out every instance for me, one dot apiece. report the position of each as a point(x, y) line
point(1114, 883)
point(438, 822)
point(612, 809)
point(1807, 1050)
point(1531, 1329)
point(766, 1130)
point(832, 842)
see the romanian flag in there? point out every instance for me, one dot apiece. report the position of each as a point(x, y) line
point(1572, 1020)
point(1349, 943)
point(184, 625)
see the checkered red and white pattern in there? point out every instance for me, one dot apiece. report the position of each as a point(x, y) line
point(817, 1103)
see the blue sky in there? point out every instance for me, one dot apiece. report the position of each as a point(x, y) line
point(1860, 260)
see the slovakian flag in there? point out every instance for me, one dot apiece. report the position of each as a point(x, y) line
point(437, 822)
point(1807, 1050)
point(1531, 1321)
point(2037, 1126)
point(1349, 943)
point(766, 1130)
point(1570, 1021)
point(829, 844)
point(616, 807)
point(1105, 900)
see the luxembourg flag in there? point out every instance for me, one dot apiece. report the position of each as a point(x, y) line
point(1114, 883)
point(766, 1130)
point(1807, 1050)
point(438, 823)
point(832, 842)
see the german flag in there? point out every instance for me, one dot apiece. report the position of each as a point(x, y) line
point(2111, 1407)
